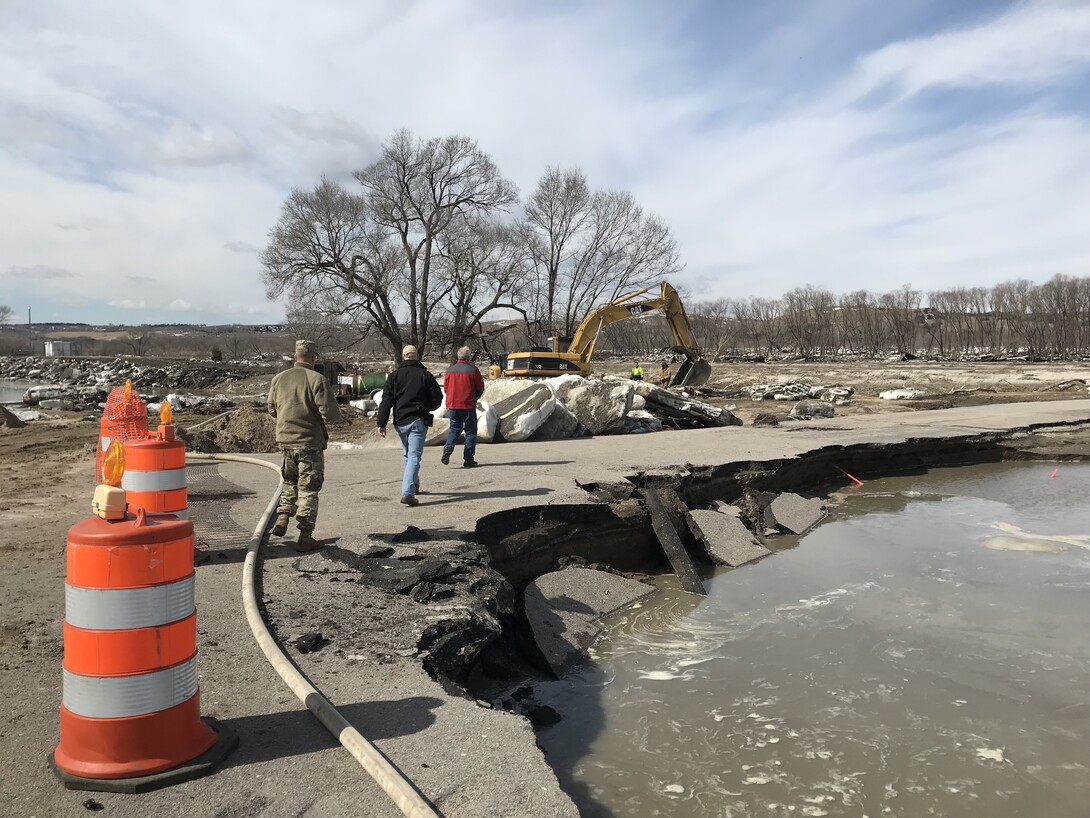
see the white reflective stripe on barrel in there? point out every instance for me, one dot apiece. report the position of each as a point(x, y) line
point(115, 609)
point(105, 443)
point(181, 514)
point(164, 480)
point(117, 697)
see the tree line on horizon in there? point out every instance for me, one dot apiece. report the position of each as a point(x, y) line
point(1020, 317)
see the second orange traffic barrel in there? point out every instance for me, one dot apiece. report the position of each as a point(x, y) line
point(154, 478)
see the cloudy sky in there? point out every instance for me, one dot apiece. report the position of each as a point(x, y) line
point(146, 148)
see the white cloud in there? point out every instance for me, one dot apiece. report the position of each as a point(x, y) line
point(179, 305)
point(151, 151)
point(128, 304)
point(210, 145)
point(40, 272)
point(1030, 46)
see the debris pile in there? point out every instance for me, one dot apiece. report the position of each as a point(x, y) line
point(811, 401)
point(535, 549)
point(457, 605)
point(105, 374)
point(246, 429)
point(797, 390)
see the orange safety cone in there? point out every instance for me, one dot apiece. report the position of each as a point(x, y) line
point(130, 716)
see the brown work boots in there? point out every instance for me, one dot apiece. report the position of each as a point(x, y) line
point(306, 542)
point(281, 527)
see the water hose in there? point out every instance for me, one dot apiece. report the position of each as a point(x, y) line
point(393, 782)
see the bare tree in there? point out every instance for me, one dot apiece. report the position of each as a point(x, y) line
point(586, 249)
point(902, 310)
point(626, 248)
point(808, 317)
point(327, 255)
point(416, 190)
point(714, 324)
point(745, 316)
point(767, 314)
point(863, 329)
point(555, 215)
point(486, 270)
point(325, 329)
point(374, 258)
point(5, 313)
point(139, 341)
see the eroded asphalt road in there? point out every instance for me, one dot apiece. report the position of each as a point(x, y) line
point(470, 760)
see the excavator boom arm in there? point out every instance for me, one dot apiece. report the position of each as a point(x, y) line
point(586, 336)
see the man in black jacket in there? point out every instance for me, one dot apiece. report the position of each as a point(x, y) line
point(412, 393)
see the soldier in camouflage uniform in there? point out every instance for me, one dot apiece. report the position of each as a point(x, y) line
point(302, 402)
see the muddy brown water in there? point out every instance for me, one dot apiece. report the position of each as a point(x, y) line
point(924, 651)
point(12, 391)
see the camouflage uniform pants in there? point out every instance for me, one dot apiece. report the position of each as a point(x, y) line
point(303, 471)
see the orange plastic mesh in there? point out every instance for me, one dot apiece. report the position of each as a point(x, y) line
point(126, 417)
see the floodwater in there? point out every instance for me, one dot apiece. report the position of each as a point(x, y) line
point(12, 391)
point(924, 651)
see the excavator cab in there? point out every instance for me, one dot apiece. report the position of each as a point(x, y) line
point(560, 343)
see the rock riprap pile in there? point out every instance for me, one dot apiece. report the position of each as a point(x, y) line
point(104, 374)
point(78, 384)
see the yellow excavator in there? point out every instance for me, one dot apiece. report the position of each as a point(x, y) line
point(546, 362)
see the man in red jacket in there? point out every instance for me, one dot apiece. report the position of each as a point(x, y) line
point(464, 385)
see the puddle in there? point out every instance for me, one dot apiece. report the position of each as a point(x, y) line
point(921, 652)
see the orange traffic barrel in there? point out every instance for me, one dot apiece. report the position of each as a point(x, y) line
point(130, 714)
point(154, 478)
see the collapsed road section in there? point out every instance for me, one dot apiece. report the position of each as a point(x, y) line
point(522, 596)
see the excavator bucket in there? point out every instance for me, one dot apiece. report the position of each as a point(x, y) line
point(692, 373)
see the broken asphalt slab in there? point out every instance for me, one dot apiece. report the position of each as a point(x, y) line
point(725, 537)
point(565, 609)
point(794, 513)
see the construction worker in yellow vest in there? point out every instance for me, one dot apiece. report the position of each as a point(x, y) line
point(637, 371)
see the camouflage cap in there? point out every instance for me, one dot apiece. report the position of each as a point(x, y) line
point(305, 348)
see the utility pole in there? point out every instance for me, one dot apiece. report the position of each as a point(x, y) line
point(29, 334)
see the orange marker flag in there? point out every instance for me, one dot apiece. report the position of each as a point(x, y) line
point(856, 480)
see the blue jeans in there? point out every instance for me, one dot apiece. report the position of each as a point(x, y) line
point(412, 441)
point(462, 420)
